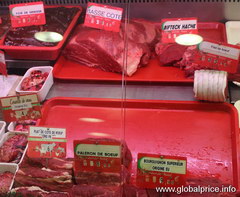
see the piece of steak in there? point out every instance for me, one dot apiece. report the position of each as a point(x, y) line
point(6, 179)
point(95, 191)
point(34, 191)
point(12, 149)
point(168, 54)
point(103, 178)
point(105, 50)
point(57, 20)
point(4, 24)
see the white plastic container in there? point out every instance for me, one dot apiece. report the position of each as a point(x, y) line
point(42, 93)
point(6, 136)
point(233, 32)
point(2, 128)
point(9, 167)
point(11, 128)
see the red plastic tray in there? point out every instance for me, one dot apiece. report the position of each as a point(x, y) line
point(206, 133)
point(153, 72)
point(40, 53)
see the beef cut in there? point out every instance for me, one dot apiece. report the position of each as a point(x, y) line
point(35, 192)
point(57, 20)
point(169, 54)
point(36, 172)
point(6, 179)
point(4, 24)
point(95, 191)
point(24, 125)
point(105, 50)
point(12, 149)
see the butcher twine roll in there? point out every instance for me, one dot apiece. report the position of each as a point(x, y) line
point(210, 85)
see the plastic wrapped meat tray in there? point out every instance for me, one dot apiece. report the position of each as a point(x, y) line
point(40, 52)
point(210, 137)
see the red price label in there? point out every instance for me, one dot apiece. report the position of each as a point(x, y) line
point(47, 142)
point(217, 56)
point(103, 17)
point(161, 171)
point(27, 14)
point(174, 27)
point(21, 107)
point(99, 156)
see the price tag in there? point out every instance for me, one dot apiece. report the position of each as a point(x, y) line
point(47, 142)
point(217, 56)
point(97, 157)
point(3, 67)
point(21, 107)
point(103, 17)
point(161, 171)
point(174, 27)
point(27, 14)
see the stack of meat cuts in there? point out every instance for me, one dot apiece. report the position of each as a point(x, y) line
point(104, 184)
point(12, 149)
point(105, 50)
point(6, 179)
point(52, 175)
point(57, 20)
point(24, 125)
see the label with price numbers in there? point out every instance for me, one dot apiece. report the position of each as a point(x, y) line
point(217, 56)
point(97, 157)
point(27, 14)
point(174, 27)
point(21, 107)
point(46, 142)
point(160, 171)
point(103, 17)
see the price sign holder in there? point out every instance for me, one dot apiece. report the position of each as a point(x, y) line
point(46, 142)
point(217, 56)
point(103, 17)
point(174, 27)
point(97, 157)
point(161, 171)
point(21, 107)
point(27, 14)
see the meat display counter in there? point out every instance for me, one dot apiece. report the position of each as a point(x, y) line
point(119, 113)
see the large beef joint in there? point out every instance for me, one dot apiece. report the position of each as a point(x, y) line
point(12, 149)
point(57, 20)
point(35, 192)
point(6, 179)
point(105, 50)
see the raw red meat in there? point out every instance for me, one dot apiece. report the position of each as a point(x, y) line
point(52, 177)
point(105, 50)
point(24, 125)
point(57, 20)
point(95, 191)
point(103, 178)
point(35, 81)
point(169, 54)
point(12, 149)
point(6, 179)
point(36, 192)
point(132, 191)
point(4, 24)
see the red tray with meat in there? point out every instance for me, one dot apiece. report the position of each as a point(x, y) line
point(83, 59)
point(19, 43)
point(210, 138)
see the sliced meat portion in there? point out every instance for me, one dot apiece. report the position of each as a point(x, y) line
point(105, 50)
point(36, 192)
point(4, 24)
point(95, 191)
point(12, 149)
point(168, 54)
point(103, 178)
point(6, 179)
